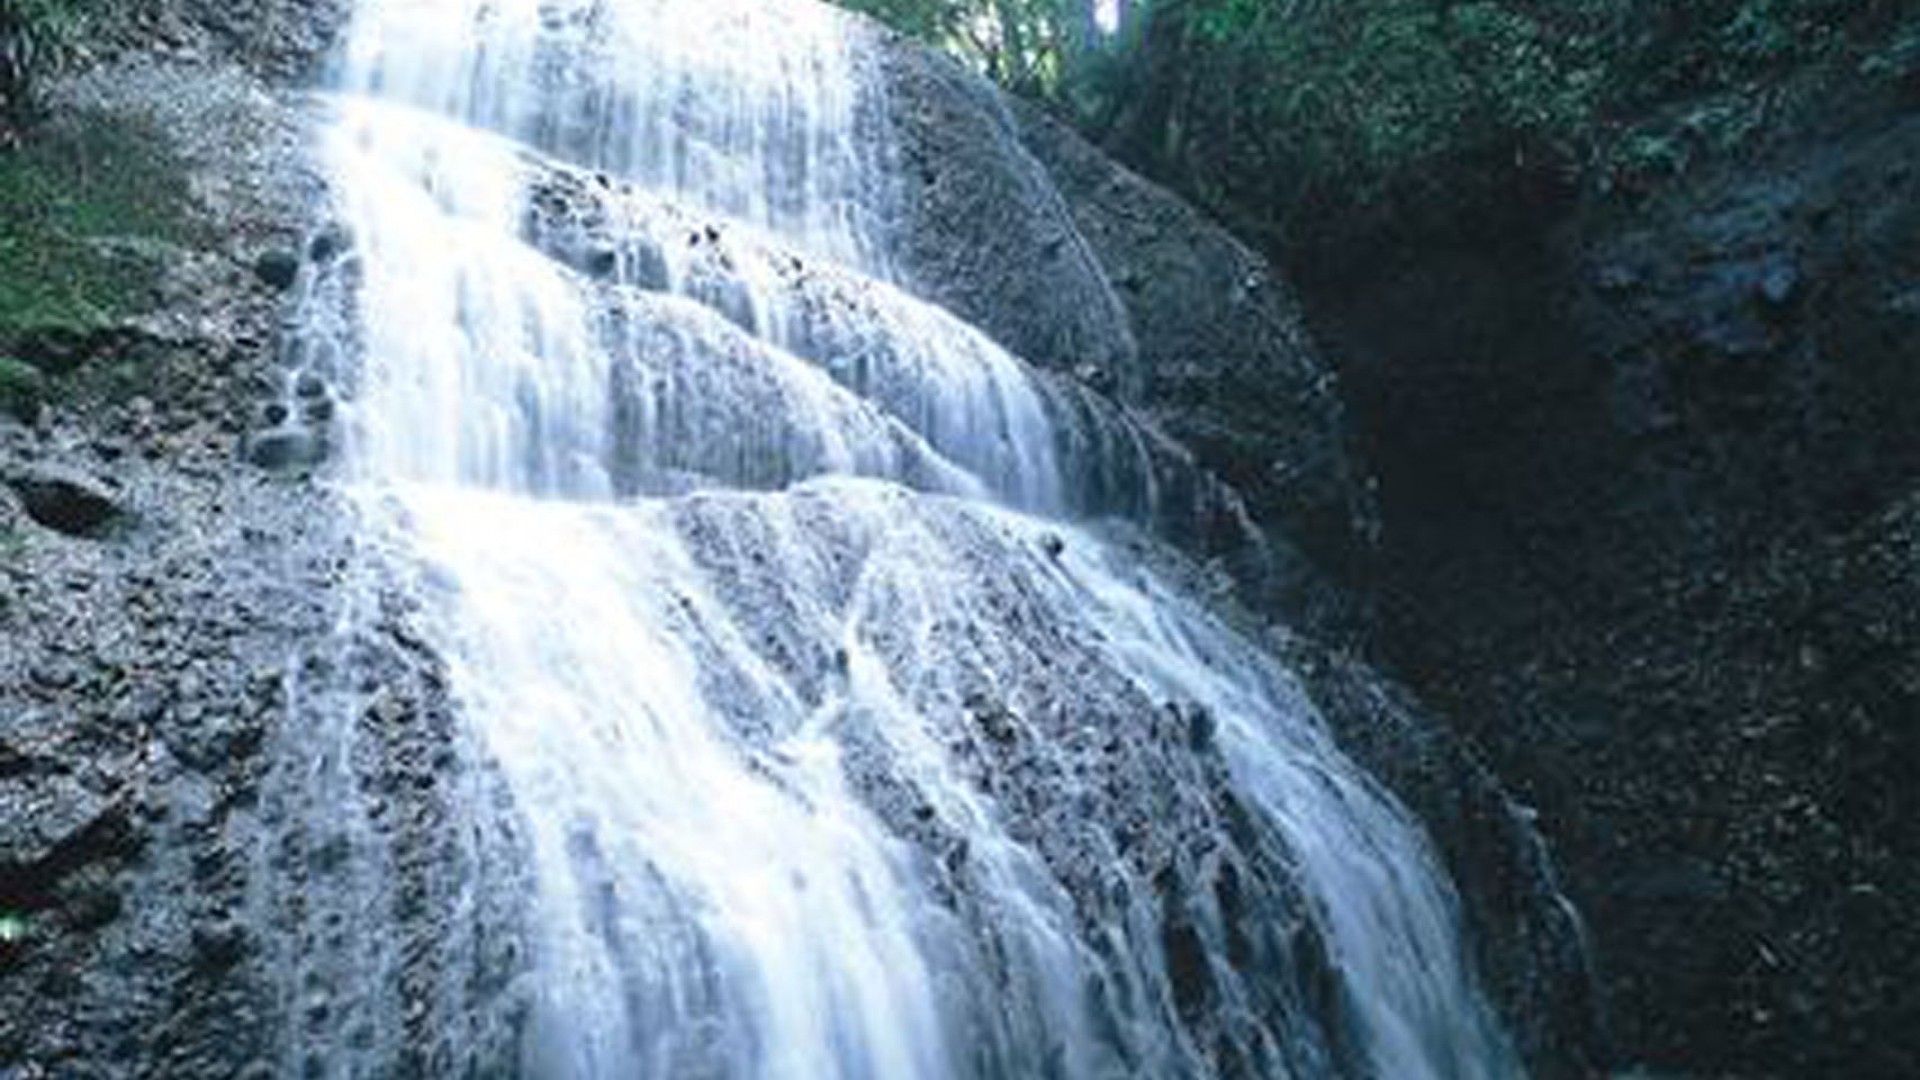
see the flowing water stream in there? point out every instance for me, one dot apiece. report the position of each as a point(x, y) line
point(840, 752)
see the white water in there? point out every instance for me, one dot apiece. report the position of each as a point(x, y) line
point(716, 577)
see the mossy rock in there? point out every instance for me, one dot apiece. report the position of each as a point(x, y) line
point(22, 388)
point(86, 201)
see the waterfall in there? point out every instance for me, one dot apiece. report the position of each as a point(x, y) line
point(843, 745)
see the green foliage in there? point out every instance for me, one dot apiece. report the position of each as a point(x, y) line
point(1358, 98)
point(937, 21)
point(83, 205)
point(1027, 45)
point(1285, 115)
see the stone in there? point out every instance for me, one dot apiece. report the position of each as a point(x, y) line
point(277, 269)
point(329, 242)
point(285, 449)
point(68, 502)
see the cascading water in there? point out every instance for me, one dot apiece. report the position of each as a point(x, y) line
point(838, 753)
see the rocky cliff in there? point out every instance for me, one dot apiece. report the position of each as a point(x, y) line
point(1219, 356)
point(1647, 465)
point(179, 577)
point(174, 579)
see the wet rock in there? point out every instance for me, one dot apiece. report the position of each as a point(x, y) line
point(278, 269)
point(68, 502)
point(285, 450)
point(1188, 966)
point(57, 827)
point(1017, 224)
point(219, 945)
point(1201, 727)
point(329, 243)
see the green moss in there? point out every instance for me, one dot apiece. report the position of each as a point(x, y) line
point(84, 206)
point(22, 387)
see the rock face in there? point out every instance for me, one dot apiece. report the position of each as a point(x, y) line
point(1531, 942)
point(155, 592)
point(224, 747)
point(285, 41)
point(1218, 357)
point(980, 230)
point(1018, 225)
point(1647, 478)
point(1226, 363)
point(173, 663)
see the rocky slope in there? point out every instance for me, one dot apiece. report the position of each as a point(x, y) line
point(175, 585)
point(223, 747)
point(1014, 222)
point(1647, 472)
point(1218, 356)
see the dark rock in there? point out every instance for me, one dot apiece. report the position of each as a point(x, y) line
point(68, 502)
point(1223, 358)
point(278, 269)
point(979, 229)
point(23, 390)
point(1621, 511)
point(1616, 277)
point(1682, 881)
point(329, 243)
point(1188, 965)
point(1201, 727)
point(286, 449)
point(1096, 378)
point(995, 721)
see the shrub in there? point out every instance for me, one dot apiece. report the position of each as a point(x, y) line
point(1301, 117)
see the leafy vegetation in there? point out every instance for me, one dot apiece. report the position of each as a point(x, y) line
point(1286, 115)
point(82, 204)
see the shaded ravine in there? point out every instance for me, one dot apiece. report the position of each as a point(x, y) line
point(832, 747)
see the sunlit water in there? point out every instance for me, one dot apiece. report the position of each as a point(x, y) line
point(729, 539)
